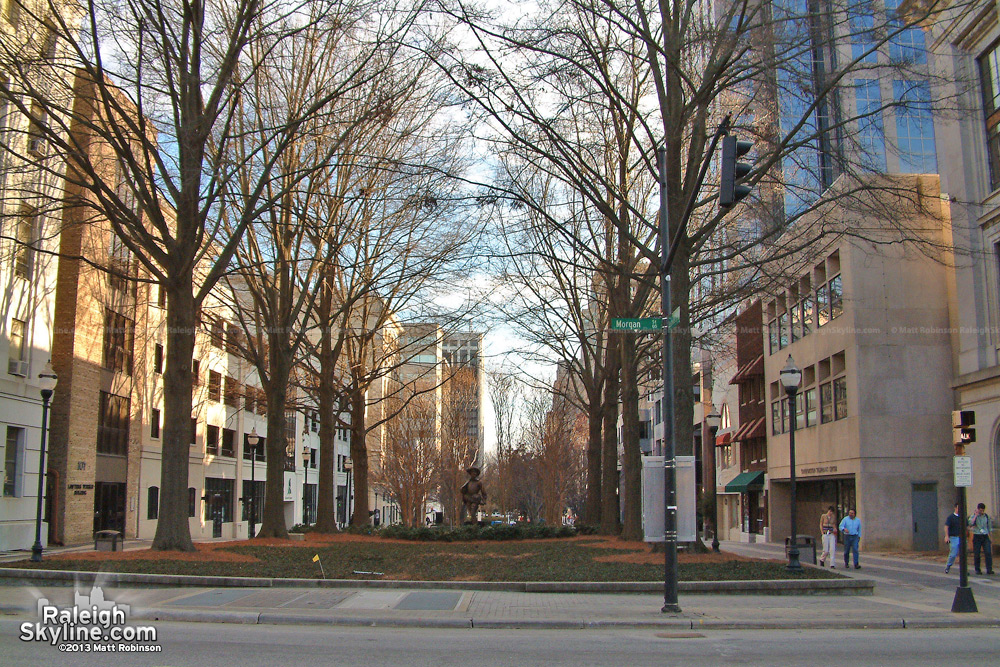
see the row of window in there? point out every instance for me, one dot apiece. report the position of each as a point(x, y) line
point(832, 406)
point(218, 501)
point(809, 313)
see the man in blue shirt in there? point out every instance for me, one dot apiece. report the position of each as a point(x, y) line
point(952, 536)
point(850, 530)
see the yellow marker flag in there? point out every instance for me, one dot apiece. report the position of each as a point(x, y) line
point(316, 558)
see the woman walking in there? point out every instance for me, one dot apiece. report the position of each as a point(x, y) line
point(828, 528)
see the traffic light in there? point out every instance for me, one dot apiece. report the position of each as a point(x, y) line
point(733, 171)
point(962, 422)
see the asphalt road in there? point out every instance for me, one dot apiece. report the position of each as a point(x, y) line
point(247, 646)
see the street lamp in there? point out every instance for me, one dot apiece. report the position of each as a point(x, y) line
point(791, 378)
point(348, 466)
point(712, 420)
point(252, 441)
point(47, 384)
point(306, 455)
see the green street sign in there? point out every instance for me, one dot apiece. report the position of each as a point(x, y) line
point(646, 323)
point(637, 324)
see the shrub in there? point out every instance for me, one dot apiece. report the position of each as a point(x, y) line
point(499, 532)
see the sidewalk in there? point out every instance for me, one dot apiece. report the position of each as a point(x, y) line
point(909, 593)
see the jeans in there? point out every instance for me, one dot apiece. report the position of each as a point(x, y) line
point(955, 541)
point(829, 547)
point(982, 543)
point(851, 547)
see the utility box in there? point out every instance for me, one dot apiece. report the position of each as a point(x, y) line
point(653, 501)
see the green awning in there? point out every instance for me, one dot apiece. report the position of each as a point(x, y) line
point(746, 481)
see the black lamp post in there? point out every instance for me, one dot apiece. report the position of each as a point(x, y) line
point(47, 384)
point(305, 478)
point(712, 420)
point(348, 466)
point(791, 377)
point(252, 441)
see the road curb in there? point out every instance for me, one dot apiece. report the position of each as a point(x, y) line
point(30, 576)
point(966, 621)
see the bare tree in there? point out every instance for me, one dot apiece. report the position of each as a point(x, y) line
point(410, 455)
point(161, 89)
point(459, 438)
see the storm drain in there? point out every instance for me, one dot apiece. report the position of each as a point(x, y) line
point(430, 601)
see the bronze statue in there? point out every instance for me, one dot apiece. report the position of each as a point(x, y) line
point(473, 495)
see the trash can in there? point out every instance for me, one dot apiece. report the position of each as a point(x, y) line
point(107, 540)
point(807, 548)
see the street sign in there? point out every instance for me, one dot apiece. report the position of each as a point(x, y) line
point(963, 471)
point(637, 324)
point(646, 323)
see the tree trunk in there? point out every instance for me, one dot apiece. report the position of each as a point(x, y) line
point(631, 465)
point(592, 507)
point(326, 494)
point(610, 521)
point(272, 523)
point(172, 529)
point(359, 456)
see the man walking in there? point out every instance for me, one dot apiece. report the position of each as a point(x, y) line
point(850, 529)
point(953, 536)
point(982, 525)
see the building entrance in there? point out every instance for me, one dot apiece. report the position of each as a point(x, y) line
point(109, 506)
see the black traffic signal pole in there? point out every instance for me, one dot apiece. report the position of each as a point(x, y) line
point(668, 249)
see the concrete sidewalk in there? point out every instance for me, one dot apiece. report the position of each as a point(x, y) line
point(900, 600)
point(507, 609)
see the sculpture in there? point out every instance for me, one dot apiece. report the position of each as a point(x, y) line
point(473, 495)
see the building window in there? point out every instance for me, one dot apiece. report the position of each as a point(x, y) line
point(218, 499)
point(776, 418)
point(153, 503)
point(249, 399)
point(13, 446)
point(192, 502)
point(216, 329)
point(24, 252)
point(212, 440)
point(119, 334)
point(861, 15)
point(214, 386)
point(228, 442)
point(796, 317)
point(810, 406)
point(234, 340)
point(826, 403)
point(196, 372)
point(16, 364)
point(158, 358)
point(840, 398)
point(807, 314)
point(254, 490)
point(261, 450)
point(906, 44)
point(194, 431)
point(772, 337)
point(915, 127)
point(989, 74)
point(154, 426)
point(836, 298)
point(871, 133)
point(822, 305)
point(161, 297)
point(232, 392)
point(119, 265)
point(782, 330)
point(113, 425)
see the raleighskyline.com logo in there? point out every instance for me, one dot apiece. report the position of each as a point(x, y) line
point(92, 625)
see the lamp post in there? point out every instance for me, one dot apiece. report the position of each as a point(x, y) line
point(791, 377)
point(47, 384)
point(712, 420)
point(306, 455)
point(348, 466)
point(252, 441)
